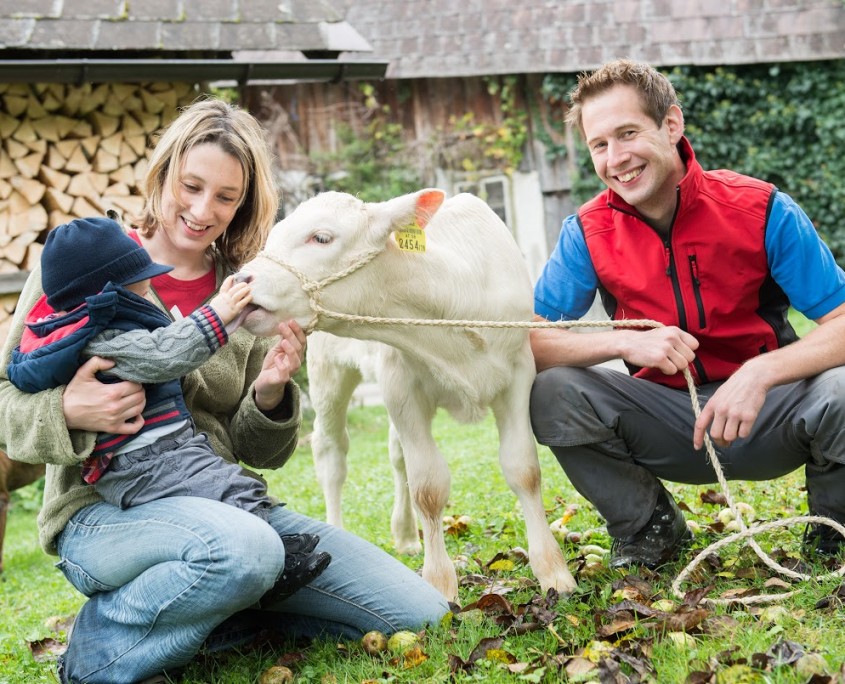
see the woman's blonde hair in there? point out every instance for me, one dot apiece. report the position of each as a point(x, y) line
point(237, 133)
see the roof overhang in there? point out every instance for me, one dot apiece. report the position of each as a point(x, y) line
point(194, 70)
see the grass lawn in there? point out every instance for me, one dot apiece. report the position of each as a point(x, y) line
point(616, 627)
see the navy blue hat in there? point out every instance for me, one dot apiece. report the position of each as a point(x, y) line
point(81, 256)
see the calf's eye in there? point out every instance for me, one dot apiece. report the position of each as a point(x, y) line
point(322, 238)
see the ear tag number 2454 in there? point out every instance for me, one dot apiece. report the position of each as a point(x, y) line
point(411, 239)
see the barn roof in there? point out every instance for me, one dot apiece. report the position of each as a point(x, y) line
point(443, 38)
point(207, 33)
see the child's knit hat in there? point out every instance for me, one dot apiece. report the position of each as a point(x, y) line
point(81, 256)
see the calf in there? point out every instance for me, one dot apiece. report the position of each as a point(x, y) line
point(337, 252)
point(13, 475)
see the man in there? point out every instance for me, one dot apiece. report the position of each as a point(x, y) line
point(717, 258)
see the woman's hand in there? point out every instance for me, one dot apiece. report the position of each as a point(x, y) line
point(93, 406)
point(280, 364)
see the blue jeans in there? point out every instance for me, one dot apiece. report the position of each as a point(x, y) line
point(162, 576)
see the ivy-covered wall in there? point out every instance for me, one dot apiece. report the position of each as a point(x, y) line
point(784, 123)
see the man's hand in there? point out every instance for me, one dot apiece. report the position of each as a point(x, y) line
point(732, 410)
point(91, 405)
point(669, 349)
point(232, 298)
point(280, 364)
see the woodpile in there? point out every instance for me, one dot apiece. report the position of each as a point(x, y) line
point(69, 151)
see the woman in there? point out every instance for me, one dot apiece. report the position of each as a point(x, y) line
point(162, 576)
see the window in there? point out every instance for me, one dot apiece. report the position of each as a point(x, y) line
point(495, 190)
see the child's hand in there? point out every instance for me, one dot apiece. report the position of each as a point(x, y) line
point(231, 299)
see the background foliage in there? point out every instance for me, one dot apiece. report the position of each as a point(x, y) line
point(782, 123)
point(377, 158)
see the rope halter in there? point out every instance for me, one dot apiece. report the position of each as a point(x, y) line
point(313, 288)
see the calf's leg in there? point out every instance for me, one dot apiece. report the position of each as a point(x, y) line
point(428, 477)
point(330, 388)
point(403, 520)
point(521, 468)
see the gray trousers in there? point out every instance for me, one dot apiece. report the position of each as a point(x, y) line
point(180, 465)
point(616, 436)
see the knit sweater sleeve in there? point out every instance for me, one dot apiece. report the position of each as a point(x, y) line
point(167, 353)
point(32, 426)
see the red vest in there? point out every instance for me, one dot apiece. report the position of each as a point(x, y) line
point(709, 276)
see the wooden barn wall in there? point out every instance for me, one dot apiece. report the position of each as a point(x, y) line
point(302, 118)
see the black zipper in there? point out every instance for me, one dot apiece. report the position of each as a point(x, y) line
point(696, 289)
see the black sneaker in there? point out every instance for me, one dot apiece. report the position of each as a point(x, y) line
point(658, 542)
point(821, 540)
point(302, 566)
point(299, 543)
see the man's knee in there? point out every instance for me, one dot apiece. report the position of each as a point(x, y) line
point(555, 386)
point(823, 414)
point(560, 410)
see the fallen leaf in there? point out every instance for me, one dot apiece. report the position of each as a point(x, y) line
point(682, 640)
point(634, 607)
point(786, 652)
point(47, 649)
point(278, 674)
point(59, 623)
point(741, 674)
point(719, 625)
point(518, 555)
point(682, 621)
point(634, 584)
point(494, 604)
point(775, 614)
point(498, 655)
point(776, 582)
point(618, 624)
point(739, 593)
point(811, 664)
point(577, 666)
point(713, 497)
point(596, 650)
point(413, 657)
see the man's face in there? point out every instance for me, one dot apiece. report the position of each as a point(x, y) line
point(631, 154)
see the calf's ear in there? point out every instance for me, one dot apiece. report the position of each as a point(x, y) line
point(414, 209)
point(428, 202)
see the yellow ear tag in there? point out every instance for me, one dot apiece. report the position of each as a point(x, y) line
point(411, 238)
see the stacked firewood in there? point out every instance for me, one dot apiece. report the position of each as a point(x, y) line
point(70, 151)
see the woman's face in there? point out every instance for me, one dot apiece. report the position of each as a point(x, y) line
point(209, 189)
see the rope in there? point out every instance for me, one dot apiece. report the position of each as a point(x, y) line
point(313, 289)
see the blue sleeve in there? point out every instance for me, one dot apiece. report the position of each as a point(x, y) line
point(800, 262)
point(567, 286)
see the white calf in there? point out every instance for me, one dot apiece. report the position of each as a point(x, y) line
point(365, 259)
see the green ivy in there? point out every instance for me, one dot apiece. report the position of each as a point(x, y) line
point(375, 160)
point(371, 161)
point(782, 123)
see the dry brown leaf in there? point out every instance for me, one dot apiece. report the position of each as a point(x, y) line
point(47, 649)
point(413, 658)
point(711, 496)
point(577, 666)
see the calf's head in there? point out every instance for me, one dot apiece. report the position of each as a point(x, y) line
point(323, 236)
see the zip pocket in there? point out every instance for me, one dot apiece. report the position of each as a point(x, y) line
point(696, 289)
